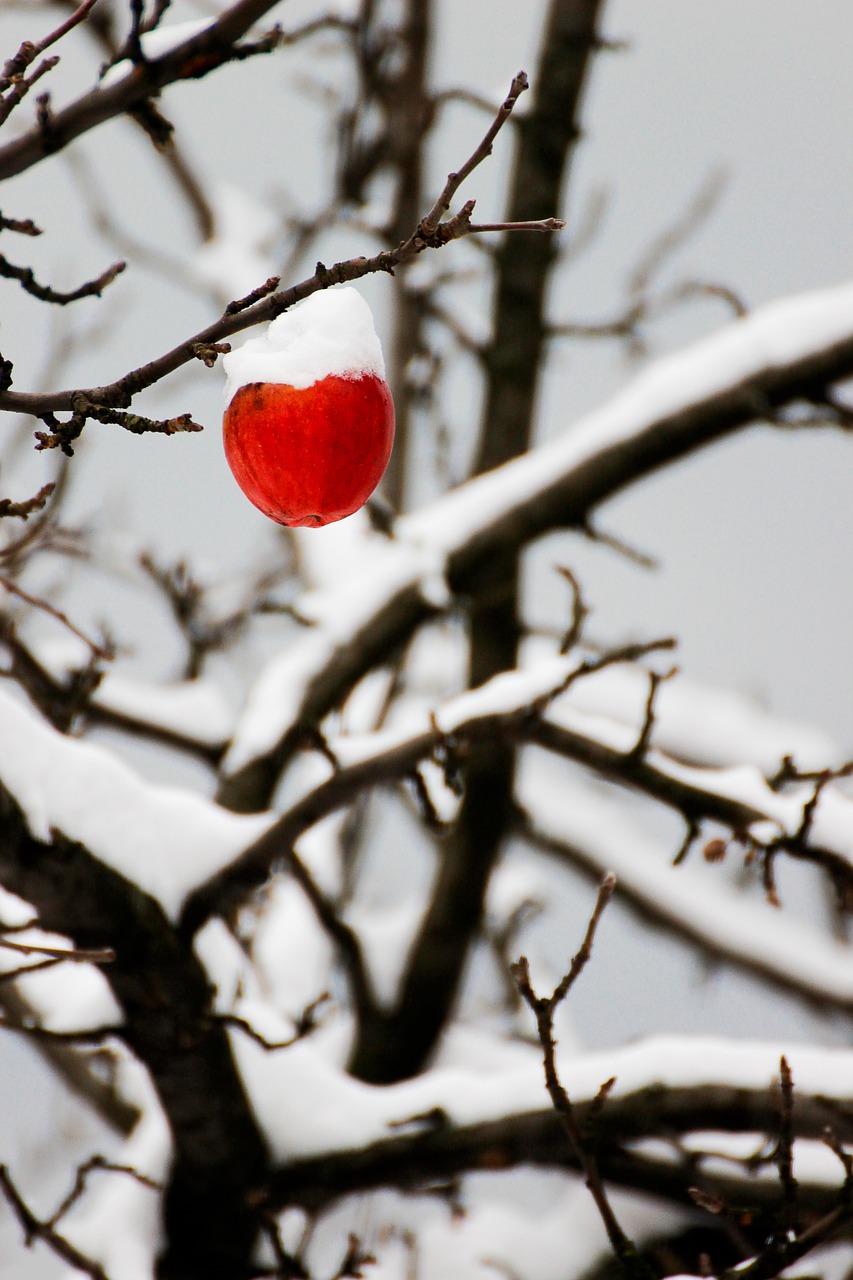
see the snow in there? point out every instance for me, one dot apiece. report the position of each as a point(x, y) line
point(385, 934)
point(329, 333)
point(503, 695)
point(194, 709)
point(308, 1106)
point(328, 555)
point(117, 1222)
point(700, 724)
point(511, 694)
point(697, 902)
point(814, 1163)
point(68, 997)
point(770, 336)
point(781, 331)
point(336, 618)
point(292, 958)
point(522, 1224)
point(163, 839)
point(14, 911)
point(156, 44)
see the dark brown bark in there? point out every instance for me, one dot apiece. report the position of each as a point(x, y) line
point(398, 1043)
point(425, 1156)
point(192, 59)
point(570, 499)
point(409, 118)
point(220, 1156)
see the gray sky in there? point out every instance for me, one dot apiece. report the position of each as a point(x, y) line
point(754, 536)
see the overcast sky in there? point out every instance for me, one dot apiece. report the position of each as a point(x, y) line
point(755, 536)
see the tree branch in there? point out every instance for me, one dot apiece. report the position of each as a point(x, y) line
point(94, 401)
point(660, 1108)
point(559, 485)
point(543, 1009)
point(223, 893)
point(192, 58)
point(165, 997)
point(34, 1229)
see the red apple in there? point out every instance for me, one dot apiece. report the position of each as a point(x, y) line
point(310, 455)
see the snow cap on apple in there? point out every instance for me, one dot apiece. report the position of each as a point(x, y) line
point(309, 424)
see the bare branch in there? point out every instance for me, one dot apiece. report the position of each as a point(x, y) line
point(543, 1009)
point(579, 610)
point(305, 1025)
point(24, 226)
point(81, 1179)
point(97, 955)
point(454, 181)
point(194, 58)
point(92, 1036)
point(31, 49)
point(91, 289)
point(21, 86)
point(12, 975)
point(63, 434)
point(96, 402)
point(222, 893)
point(102, 651)
point(262, 291)
point(35, 1229)
point(541, 224)
point(23, 510)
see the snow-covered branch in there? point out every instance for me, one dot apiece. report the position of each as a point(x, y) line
point(586, 831)
point(666, 1089)
point(518, 706)
point(781, 353)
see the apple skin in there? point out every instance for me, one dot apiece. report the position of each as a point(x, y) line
point(310, 455)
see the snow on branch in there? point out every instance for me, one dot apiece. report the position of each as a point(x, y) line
point(163, 839)
point(812, 819)
point(352, 1137)
point(786, 351)
point(508, 705)
point(579, 826)
point(701, 724)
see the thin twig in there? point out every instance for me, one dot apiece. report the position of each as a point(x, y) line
point(580, 611)
point(91, 289)
point(23, 510)
point(97, 1163)
point(34, 1229)
point(95, 1035)
point(483, 151)
point(543, 1009)
point(242, 1024)
point(99, 651)
point(431, 233)
point(785, 1145)
point(100, 955)
point(23, 970)
point(641, 746)
point(30, 50)
point(538, 224)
